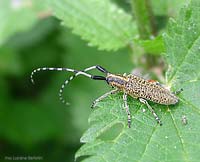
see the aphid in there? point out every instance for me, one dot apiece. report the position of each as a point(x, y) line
point(184, 120)
point(132, 85)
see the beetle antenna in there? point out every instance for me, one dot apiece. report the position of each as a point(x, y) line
point(77, 72)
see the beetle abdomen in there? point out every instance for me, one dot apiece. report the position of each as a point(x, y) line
point(141, 88)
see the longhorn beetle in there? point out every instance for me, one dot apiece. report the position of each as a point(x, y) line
point(131, 85)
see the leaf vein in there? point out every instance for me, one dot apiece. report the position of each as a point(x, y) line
point(148, 142)
point(179, 136)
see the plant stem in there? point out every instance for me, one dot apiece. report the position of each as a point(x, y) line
point(144, 18)
point(143, 13)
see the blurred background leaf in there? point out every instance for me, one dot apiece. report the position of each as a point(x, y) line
point(101, 23)
point(153, 46)
point(19, 15)
point(168, 7)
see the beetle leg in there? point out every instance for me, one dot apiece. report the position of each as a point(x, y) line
point(151, 109)
point(103, 96)
point(127, 109)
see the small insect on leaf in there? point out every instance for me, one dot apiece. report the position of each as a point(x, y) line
point(184, 120)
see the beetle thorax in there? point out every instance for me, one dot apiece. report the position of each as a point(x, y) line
point(117, 81)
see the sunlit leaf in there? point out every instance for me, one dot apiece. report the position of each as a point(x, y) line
point(101, 23)
point(147, 141)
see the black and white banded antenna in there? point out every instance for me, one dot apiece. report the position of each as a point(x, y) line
point(80, 73)
point(48, 69)
point(77, 72)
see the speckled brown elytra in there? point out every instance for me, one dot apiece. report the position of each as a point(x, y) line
point(131, 85)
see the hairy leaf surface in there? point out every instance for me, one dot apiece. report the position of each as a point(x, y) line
point(109, 139)
point(101, 23)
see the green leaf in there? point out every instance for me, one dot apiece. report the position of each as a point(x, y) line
point(154, 46)
point(182, 45)
point(17, 16)
point(101, 23)
point(167, 7)
point(146, 141)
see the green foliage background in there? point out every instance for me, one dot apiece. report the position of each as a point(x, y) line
point(122, 36)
